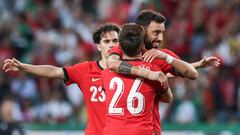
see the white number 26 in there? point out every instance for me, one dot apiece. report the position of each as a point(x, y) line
point(133, 95)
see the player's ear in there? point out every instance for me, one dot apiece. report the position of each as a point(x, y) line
point(99, 47)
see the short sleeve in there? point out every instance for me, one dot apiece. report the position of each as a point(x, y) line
point(74, 73)
point(170, 53)
point(166, 67)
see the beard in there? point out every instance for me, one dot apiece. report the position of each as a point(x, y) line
point(148, 43)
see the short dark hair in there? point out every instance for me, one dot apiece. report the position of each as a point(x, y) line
point(131, 38)
point(145, 17)
point(102, 29)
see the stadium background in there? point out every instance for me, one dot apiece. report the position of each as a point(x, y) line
point(58, 32)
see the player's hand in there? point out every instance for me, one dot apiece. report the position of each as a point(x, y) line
point(210, 61)
point(12, 65)
point(151, 54)
point(163, 80)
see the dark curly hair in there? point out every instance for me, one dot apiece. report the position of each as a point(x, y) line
point(107, 27)
point(145, 17)
point(131, 38)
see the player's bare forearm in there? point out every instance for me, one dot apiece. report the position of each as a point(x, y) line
point(115, 64)
point(203, 63)
point(182, 67)
point(39, 70)
point(47, 71)
point(185, 69)
point(207, 62)
point(196, 65)
point(166, 97)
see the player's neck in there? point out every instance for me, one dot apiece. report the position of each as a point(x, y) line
point(139, 57)
point(102, 63)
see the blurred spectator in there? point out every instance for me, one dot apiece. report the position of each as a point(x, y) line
point(6, 51)
point(58, 109)
point(186, 107)
point(9, 125)
point(75, 97)
point(24, 87)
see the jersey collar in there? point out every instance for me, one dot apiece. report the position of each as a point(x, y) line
point(98, 64)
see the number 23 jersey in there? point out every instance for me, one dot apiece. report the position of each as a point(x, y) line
point(87, 75)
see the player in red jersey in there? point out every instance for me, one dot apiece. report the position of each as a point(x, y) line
point(153, 23)
point(87, 75)
point(130, 100)
point(169, 62)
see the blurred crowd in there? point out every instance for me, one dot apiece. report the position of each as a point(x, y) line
point(59, 32)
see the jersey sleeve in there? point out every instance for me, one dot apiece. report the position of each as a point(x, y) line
point(166, 67)
point(116, 50)
point(72, 73)
point(170, 53)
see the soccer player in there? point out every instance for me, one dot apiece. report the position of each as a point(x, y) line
point(130, 100)
point(154, 24)
point(87, 75)
point(169, 62)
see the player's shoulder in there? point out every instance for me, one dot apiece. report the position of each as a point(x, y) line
point(84, 64)
point(165, 50)
point(169, 52)
point(81, 66)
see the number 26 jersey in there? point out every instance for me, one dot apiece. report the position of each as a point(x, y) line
point(129, 102)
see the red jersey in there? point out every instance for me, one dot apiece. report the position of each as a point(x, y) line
point(165, 68)
point(129, 102)
point(87, 75)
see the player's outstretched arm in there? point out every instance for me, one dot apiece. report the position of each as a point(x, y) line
point(206, 62)
point(203, 63)
point(38, 70)
point(184, 68)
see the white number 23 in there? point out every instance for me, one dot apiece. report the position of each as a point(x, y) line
point(95, 91)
